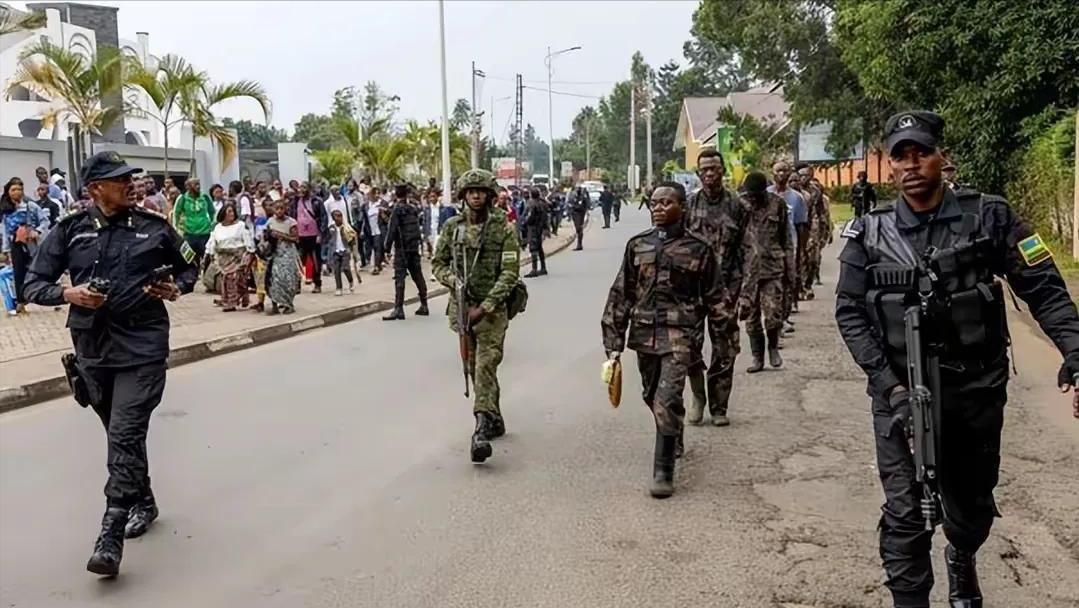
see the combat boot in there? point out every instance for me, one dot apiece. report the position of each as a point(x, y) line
point(139, 518)
point(756, 345)
point(398, 314)
point(680, 445)
point(663, 467)
point(497, 428)
point(696, 407)
point(963, 589)
point(422, 311)
point(774, 358)
point(481, 446)
point(109, 548)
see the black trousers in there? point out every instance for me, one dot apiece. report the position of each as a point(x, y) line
point(372, 250)
point(617, 209)
point(968, 469)
point(309, 246)
point(578, 226)
point(606, 217)
point(129, 396)
point(407, 263)
point(20, 263)
point(198, 243)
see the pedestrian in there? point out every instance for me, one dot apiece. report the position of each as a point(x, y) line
point(343, 240)
point(310, 215)
point(768, 262)
point(243, 198)
point(606, 205)
point(52, 207)
point(192, 215)
point(231, 247)
point(557, 205)
point(123, 262)
point(951, 245)
point(863, 196)
point(616, 209)
point(536, 224)
point(403, 235)
point(578, 211)
point(153, 200)
point(799, 225)
point(83, 203)
point(59, 191)
point(824, 229)
point(668, 283)
point(446, 210)
point(428, 211)
point(24, 226)
point(478, 251)
point(264, 210)
point(282, 235)
point(373, 234)
point(718, 216)
point(217, 195)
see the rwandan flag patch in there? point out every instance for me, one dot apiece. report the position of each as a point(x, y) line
point(1034, 251)
point(187, 252)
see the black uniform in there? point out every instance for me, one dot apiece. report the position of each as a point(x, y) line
point(578, 210)
point(863, 198)
point(403, 233)
point(606, 204)
point(536, 223)
point(123, 344)
point(974, 238)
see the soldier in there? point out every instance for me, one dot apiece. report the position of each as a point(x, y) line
point(403, 233)
point(578, 210)
point(718, 216)
point(535, 222)
point(767, 247)
point(820, 228)
point(123, 262)
point(668, 283)
point(484, 240)
point(863, 196)
point(952, 244)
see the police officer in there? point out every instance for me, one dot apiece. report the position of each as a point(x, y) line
point(482, 241)
point(578, 211)
point(862, 195)
point(954, 243)
point(536, 212)
point(123, 263)
point(403, 233)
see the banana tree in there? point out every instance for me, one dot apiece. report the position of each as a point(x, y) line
point(199, 110)
point(75, 85)
point(172, 88)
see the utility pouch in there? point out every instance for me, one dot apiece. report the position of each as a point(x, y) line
point(84, 388)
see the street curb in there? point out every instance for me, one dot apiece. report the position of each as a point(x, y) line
point(13, 398)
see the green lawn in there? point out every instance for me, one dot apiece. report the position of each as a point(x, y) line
point(841, 213)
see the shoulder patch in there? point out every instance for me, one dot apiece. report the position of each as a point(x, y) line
point(851, 230)
point(509, 256)
point(1034, 250)
point(187, 252)
point(67, 219)
point(147, 214)
point(884, 207)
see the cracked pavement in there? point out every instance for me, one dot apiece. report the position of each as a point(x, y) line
point(332, 470)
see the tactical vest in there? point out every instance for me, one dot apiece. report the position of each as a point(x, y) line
point(408, 219)
point(952, 280)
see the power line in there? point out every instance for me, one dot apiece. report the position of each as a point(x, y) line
point(566, 82)
point(553, 92)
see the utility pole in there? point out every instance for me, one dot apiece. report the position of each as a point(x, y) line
point(588, 148)
point(648, 130)
point(631, 173)
point(447, 179)
point(517, 138)
point(550, 125)
point(475, 123)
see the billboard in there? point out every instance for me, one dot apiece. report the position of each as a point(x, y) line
point(567, 169)
point(812, 140)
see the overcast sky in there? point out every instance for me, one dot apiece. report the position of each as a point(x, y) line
point(303, 51)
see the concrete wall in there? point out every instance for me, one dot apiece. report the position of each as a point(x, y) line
point(20, 156)
point(294, 163)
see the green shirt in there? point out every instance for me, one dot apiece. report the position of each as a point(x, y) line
point(193, 215)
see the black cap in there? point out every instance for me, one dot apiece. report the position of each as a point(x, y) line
point(105, 165)
point(919, 126)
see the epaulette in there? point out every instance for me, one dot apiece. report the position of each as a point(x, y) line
point(885, 207)
point(852, 229)
point(71, 217)
point(146, 213)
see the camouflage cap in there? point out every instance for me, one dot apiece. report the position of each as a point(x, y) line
point(476, 179)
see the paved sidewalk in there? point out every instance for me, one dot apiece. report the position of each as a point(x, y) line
point(31, 344)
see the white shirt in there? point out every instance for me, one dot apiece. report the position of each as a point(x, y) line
point(235, 236)
point(338, 238)
point(372, 217)
point(341, 205)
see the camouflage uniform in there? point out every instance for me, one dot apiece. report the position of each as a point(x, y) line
point(767, 249)
point(667, 285)
point(819, 231)
point(721, 222)
point(490, 281)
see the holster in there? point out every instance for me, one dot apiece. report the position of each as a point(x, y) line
point(84, 388)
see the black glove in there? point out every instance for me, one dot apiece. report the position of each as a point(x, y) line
point(899, 401)
point(1069, 371)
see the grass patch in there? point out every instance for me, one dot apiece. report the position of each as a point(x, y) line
point(841, 213)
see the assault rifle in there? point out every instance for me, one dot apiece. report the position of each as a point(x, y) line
point(465, 336)
point(923, 369)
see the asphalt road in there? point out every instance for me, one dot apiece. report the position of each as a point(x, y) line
point(332, 470)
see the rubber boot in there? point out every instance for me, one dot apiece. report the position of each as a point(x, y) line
point(422, 311)
point(756, 345)
point(109, 548)
point(774, 358)
point(398, 314)
point(497, 428)
point(696, 407)
point(481, 446)
point(719, 399)
point(543, 263)
point(140, 517)
point(963, 589)
point(663, 467)
point(533, 273)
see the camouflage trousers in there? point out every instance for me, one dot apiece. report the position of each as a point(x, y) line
point(719, 380)
point(663, 379)
point(766, 298)
point(811, 262)
point(490, 342)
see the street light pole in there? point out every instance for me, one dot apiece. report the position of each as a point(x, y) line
point(550, 113)
point(447, 180)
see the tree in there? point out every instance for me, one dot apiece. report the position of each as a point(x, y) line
point(319, 131)
point(335, 165)
point(461, 118)
point(76, 86)
point(384, 158)
point(255, 135)
point(171, 87)
point(12, 21)
point(199, 109)
point(378, 110)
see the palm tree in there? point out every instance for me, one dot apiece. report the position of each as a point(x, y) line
point(384, 158)
point(199, 111)
point(12, 21)
point(76, 86)
point(172, 87)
